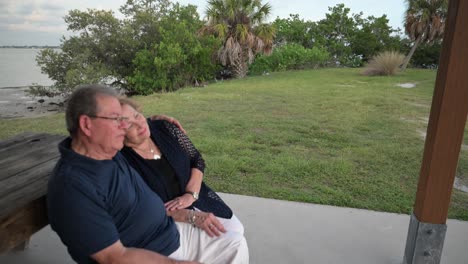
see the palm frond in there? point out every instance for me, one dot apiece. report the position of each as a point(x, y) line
point(250, 40)
point(221, 30)
point(426, 19)
point(241, 32)
point(262, 13)
point(239, 24)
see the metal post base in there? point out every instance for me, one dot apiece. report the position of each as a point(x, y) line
point(424, 242)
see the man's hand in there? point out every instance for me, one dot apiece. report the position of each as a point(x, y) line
point(170, 120)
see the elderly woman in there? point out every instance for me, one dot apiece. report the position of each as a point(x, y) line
point(170, 164)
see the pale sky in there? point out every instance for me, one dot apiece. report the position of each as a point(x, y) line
point(40, 22)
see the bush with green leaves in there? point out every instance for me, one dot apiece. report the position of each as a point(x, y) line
point(385, 63)
point(427, 55)
point(353, 61)
point(351, 39)
point(96, 55)
point(155, 48)
point(289, 57)
point(180, 58)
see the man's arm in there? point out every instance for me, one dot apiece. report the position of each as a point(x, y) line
point(118, 254)
point(170, 120)
point(206, 221)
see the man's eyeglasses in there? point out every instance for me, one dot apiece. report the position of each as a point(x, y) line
point(118, 120)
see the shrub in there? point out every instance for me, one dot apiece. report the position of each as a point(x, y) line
point(385, 63)
point(180, 58)
point(353, 61)
point(154, 48)
point(289, 57)
point(427, 55)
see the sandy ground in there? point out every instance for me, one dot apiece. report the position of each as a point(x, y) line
point(15, 103)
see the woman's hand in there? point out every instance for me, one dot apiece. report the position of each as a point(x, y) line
point(180, 202)
point(209, 223)
point(170, 120)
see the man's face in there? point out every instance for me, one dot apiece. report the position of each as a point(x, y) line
point(105, 133)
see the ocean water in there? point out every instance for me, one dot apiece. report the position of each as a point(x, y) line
point(18, 68)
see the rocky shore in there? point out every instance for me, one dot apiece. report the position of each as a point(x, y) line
point(15, 103)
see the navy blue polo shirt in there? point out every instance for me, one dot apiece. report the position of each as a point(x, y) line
point(92, 204)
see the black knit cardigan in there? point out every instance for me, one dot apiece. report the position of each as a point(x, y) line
point(182, 156)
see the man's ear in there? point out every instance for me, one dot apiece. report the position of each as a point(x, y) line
point(85, 125)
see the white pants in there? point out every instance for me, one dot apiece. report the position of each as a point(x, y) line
point(196, 245)
point(233, 224)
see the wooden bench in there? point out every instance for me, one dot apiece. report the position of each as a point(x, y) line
point(26, 162)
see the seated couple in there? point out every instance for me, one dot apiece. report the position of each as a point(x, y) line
point(145, 204)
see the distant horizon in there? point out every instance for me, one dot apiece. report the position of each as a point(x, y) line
point(28, 46)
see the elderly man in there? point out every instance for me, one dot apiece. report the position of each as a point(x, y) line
point(102, 209)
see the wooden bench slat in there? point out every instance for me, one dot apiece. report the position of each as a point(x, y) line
point(26, 163)
point(21, 141)
point(30, 154)
point(25, 169)
point(17, 139)
point(21, 180)
point(18, 199)
point(36, 158)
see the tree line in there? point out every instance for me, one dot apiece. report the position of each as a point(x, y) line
point(160, 45)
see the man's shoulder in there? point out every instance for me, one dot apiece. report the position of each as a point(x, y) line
point(68, 176)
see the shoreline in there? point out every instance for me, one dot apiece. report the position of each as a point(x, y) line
point(20, 87)
point(16, 103)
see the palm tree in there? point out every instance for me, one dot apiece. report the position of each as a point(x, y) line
point(239, 24)
point(424, 23)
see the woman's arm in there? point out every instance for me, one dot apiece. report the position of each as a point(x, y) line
point(196, 159)
point(196, 176)
point(192, 189)
point(194, 184)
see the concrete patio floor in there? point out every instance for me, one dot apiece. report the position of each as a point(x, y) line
point(290, 232)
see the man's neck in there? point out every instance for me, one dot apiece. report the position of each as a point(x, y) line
point(83, 147)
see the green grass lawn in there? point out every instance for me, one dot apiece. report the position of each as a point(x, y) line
point(328, 136)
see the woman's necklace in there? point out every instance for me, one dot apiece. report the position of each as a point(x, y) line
point(155, 156)
point(151, 150)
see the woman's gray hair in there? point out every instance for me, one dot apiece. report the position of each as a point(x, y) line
point(83, 102)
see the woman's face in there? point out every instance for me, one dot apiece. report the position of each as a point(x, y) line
point(138, 129)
